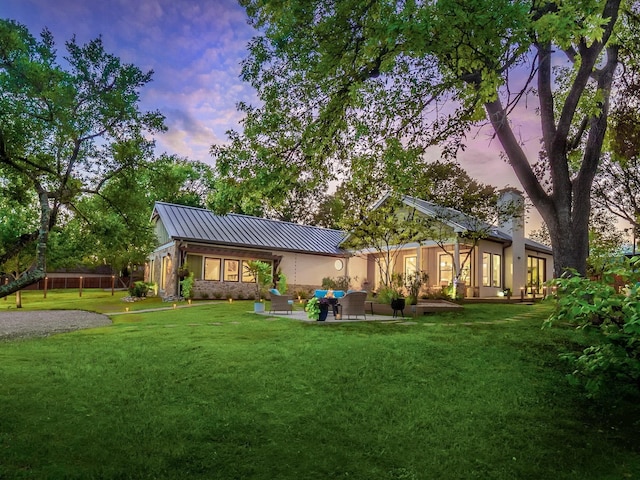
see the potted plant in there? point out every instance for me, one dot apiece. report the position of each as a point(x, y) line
point(261, 272)
point(397, 297)
point(317, 309)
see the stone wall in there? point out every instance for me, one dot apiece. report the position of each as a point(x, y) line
point(206, 289)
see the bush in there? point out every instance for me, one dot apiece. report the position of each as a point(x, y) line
point(328, 283)
point(140, 289)
point(282, 283)
point(613, 320)
point(187, 286)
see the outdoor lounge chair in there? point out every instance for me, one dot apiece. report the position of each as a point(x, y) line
point(281, 303)
point(353, 304)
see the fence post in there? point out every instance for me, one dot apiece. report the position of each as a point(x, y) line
point(80, 286)
point(45, 286)
point(113, 284)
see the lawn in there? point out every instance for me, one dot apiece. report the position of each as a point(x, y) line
point(216, 392)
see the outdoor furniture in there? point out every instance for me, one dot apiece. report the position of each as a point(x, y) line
point(281, 303)
point(323, 293)
point(353, 304)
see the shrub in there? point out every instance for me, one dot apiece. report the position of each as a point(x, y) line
point(613, 320)
point(328, 283)
point(282, 283)
point(187, 286)
point(413, 282)
point(140, 289)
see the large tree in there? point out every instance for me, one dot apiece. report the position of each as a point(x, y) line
point(67, 128)
point(617, 186)
point(346, 82)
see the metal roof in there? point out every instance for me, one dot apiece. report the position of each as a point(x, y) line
point(201, 225)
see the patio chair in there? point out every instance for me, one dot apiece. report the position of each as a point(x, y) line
point(281, 303)
point(353, 304)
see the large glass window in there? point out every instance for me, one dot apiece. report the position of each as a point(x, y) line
point(152, 273)
point(445, 269)
point(496, 275)
point(491, 270)
point(410, 264)
point(247, 277)
point(194, 265)
point(166, 271)
point(212, 269)
point(486, 269)
point(536, 272)
point(231, 270)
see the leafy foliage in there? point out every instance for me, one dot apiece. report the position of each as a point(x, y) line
point(187, 285)
point(66, 129)
point(361, 90)
point(611, 320)
point(262, 274)
point(313, 308)
point(140, 289)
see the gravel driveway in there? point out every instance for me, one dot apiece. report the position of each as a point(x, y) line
point(46, 322)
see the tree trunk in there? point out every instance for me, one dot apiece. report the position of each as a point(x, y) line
point(37, 272)
point(570, 243)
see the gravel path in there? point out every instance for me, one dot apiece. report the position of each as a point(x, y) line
point(40, 323)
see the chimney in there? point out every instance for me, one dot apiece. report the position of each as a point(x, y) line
point(515, 264)
point(512, 201)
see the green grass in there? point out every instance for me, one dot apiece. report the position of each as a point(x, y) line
point(215, 392)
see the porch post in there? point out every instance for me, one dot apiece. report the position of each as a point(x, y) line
point(456, 264)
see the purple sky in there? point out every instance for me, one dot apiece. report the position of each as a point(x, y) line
point(195, 48)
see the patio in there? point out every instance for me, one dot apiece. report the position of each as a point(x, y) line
point(301, 315)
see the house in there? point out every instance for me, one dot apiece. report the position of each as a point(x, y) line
point(498, 259)
point(215, 249)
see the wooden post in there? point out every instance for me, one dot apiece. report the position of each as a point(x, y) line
point(113, 284)
point(45, 286)
point(80, 291)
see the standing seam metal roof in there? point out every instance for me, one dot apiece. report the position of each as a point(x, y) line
point(198, 224)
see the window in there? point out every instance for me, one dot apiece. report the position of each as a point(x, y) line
point(445, 269)
point(152, 265)
point(491, 270)
point(194, 265)
point(212, 269)
point(231, 273)
point(166, 271)
point(486, 269)
point(536, 272)
point(496, 274)
point(246, 274)
point(410, 264)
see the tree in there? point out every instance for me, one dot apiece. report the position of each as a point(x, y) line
point(385, 229)
point(350, 81)
point(66, 129)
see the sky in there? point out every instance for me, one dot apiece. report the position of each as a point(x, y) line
point(195, 48)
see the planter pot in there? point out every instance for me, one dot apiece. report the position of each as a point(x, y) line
point(324, 311)
point(398, 304)
point(258, 307)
